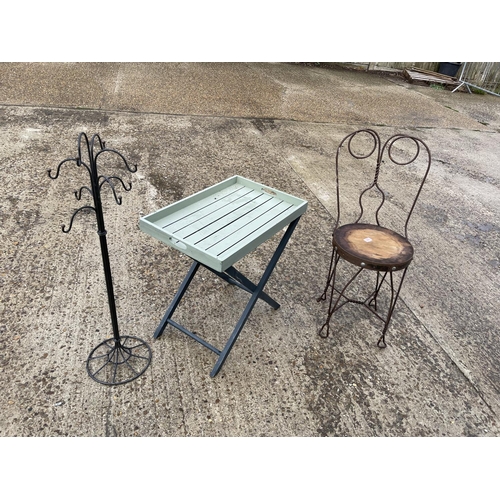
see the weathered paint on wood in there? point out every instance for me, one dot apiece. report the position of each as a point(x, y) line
point(221, 224)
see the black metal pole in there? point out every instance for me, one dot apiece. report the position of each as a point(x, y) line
point(109, 284)
point(101, 231)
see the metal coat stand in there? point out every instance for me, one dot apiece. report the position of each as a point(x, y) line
point(120, 359)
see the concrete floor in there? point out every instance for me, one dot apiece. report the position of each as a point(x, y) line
point(188, 126)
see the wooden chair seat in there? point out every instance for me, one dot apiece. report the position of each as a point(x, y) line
point(373, 247)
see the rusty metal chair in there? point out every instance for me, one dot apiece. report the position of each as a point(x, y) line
point(382, 252)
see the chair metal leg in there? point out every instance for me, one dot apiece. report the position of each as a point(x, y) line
point(381, 341)
point(331, 273)
point(378, 286)
point(370, 303)
point(336, 307)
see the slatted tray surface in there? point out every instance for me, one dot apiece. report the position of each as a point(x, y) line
point(221, 224)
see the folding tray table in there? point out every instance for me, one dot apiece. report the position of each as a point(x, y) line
point(216, 228)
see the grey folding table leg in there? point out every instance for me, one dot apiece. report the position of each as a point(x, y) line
point(178, 296)
point(253, 299)
point(236, 278)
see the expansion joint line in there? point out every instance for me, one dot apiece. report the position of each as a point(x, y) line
point(462, 370)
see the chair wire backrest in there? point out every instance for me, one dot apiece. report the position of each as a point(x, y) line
point(380, 151)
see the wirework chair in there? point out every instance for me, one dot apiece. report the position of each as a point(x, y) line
point(372, 247)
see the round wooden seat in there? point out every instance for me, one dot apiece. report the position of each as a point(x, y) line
point(373, 247)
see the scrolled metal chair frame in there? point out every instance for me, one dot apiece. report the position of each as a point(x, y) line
point(335, 294)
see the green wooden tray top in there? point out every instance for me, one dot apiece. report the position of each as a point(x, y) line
point(221, 224)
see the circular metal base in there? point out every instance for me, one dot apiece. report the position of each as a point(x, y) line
point(115, 362)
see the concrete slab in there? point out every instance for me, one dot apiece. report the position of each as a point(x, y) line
point(188, 126)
